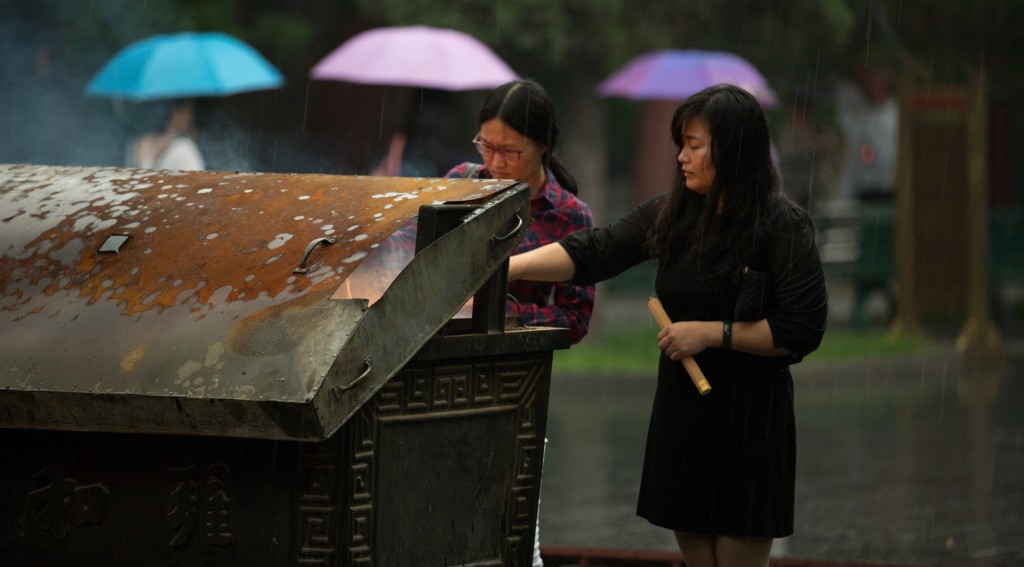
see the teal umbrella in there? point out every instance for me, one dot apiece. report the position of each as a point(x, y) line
point(184, 65)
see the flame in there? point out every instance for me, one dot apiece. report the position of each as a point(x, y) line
point(376, 273)
point(373, 276)
point(362, 288)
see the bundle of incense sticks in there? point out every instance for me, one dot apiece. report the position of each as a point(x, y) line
point(688, 362)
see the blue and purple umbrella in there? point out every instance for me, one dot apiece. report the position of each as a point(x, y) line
point(675, 74)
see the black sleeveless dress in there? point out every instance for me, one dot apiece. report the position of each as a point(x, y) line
point(723, 463)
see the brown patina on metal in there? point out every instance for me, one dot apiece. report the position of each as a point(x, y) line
point(183, 227)
point(192, 285)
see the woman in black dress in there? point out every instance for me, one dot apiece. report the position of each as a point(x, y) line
point(739, 273)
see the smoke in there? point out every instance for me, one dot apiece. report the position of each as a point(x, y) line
point(52, 49)
point(44, 119)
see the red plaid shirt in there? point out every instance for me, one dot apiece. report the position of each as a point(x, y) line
point(556, 213)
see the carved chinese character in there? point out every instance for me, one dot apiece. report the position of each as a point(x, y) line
point(198, 497)
point(60, 500)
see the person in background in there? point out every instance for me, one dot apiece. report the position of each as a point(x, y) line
point(174, 148)
point(429, 141)
point(719, 469)
point(806, 152)
point(869, 117)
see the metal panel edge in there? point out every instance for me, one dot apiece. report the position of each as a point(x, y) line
point(375, 351)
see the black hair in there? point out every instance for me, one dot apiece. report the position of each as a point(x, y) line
point(720, 230)
point(525, 107)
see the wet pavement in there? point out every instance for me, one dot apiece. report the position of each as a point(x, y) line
point(905, 460)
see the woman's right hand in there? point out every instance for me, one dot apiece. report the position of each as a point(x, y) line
point(687, 338)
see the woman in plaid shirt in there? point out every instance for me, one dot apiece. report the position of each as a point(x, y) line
point(517, 138)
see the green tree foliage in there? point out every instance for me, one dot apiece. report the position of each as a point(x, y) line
point(947, 42)
point(604, 34)
point(791, 41)
point(87, 32)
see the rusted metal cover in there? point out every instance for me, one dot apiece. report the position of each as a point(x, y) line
point(173, 302)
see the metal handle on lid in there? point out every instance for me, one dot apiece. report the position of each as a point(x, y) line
point(303, 267)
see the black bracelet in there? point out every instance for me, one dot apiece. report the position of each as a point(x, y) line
point(727, 335)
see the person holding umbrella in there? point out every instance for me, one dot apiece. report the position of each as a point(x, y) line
point(180, 67)
point(172, 148)
point(740, 276)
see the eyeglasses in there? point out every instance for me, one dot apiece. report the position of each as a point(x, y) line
point(487, 150)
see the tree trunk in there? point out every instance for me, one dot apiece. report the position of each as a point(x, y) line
point(584, 141)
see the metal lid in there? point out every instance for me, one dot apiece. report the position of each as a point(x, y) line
point(200, 302)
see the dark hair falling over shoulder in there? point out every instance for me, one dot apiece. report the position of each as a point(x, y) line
point(525, 107)
point(721, 230)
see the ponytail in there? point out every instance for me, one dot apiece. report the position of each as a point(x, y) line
point(562, 175)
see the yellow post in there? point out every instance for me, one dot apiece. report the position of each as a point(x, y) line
point(906, 319)
point(979, 337)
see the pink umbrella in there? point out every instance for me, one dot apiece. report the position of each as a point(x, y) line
point(415, 56)
point(676, 74)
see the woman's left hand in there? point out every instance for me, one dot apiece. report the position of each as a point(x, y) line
point(686, 338)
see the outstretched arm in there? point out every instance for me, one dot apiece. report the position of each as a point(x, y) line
point(549, 263)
